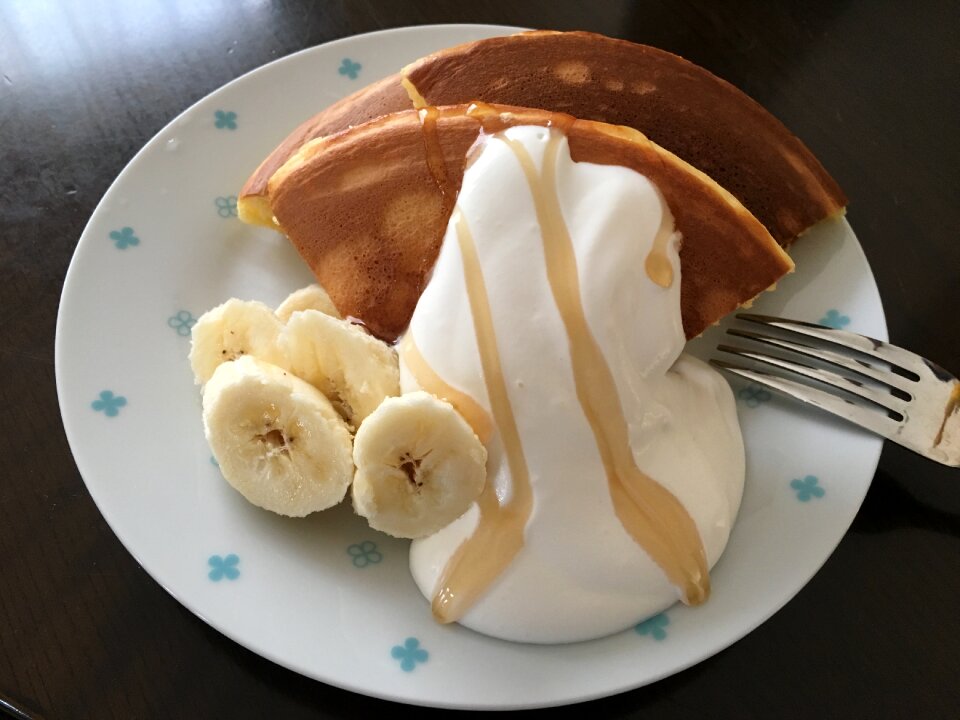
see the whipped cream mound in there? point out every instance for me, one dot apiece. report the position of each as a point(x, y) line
point(578, 574)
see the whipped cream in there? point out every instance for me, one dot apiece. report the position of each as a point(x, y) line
point(577, 573)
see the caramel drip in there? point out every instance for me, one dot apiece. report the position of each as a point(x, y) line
point(657, 264)
point(647, 510)
point(493, 120)
point(561, 121)
point(498, 536)
point(953, 404)
point(427, 378)
point(488, 116)
point(434, 152)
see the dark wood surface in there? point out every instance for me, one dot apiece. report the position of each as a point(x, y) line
point(872, 87)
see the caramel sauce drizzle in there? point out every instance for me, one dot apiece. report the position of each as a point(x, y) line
point(475, 415)
point(953, 404)
point(657, 263)
point(488, 117)
point(648, 511)
point(498, 536)
point(434, 152)
point(493, 120)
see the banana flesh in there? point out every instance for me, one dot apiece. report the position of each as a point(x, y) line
point(284, 389)
point(312, 297)
point(355, 370)
point(230, 331)
point(419, 466)
point(278, 440)
point(352, 368)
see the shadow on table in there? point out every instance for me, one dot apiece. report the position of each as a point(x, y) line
point(890, 505)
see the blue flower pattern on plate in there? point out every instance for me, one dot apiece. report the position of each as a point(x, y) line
point(182, 322)
point(753, 395)
point(350, 68)
point(409, 654)
point(807, 488)
point(109, 404)
point(364, 554)
point(124, 238)
point(213, 461)
point(223, 567)
point(226, 206)
point(225, 120)
point(654, 627)
point(834, 319)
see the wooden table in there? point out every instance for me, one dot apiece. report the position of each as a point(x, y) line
point(872, 87)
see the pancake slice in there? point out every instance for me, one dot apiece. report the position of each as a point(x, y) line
point(380, 98)
point(678, 105)
point(367, 210)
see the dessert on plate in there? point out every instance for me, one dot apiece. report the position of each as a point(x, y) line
point(514, 239)
point(367, 209)
point(615, 464)
point(678, 105)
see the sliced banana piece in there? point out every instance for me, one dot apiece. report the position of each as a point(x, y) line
point(419, 466)
point(312, 297)
point(278, 440)
point(355, 370)
point(230, 331)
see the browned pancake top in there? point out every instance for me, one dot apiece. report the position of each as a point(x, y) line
point(380, 98)
point(367, 210)
point(680, 106)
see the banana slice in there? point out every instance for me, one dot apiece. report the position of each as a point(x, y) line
point(355, 370)
point(419, 466)
point(232, 330)
point(277, 439)
point(312, 297)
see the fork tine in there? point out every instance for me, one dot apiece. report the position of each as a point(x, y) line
point(883, 399)
point(828, 356)
point(868, 346)
point(870, 419)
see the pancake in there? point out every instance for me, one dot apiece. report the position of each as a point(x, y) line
point(680, 106)
point(367, 210)
point(380, 98)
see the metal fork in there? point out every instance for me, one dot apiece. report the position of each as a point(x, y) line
point(885, 389)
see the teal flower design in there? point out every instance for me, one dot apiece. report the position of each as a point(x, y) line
point(213, 461)
point(223, 567)
point(409, 654)
point(182, 322)
point(226, 206)
point(109, 404)
point(225, 120)
point(654, 627)
point(807, 488)
point(834, 319)
point(754, 395)
point(124, 238)
point(364, 554)
point(350, 68)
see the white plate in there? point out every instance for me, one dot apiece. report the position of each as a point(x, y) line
point(312, 594)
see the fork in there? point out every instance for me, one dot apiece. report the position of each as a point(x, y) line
point(885, 389)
